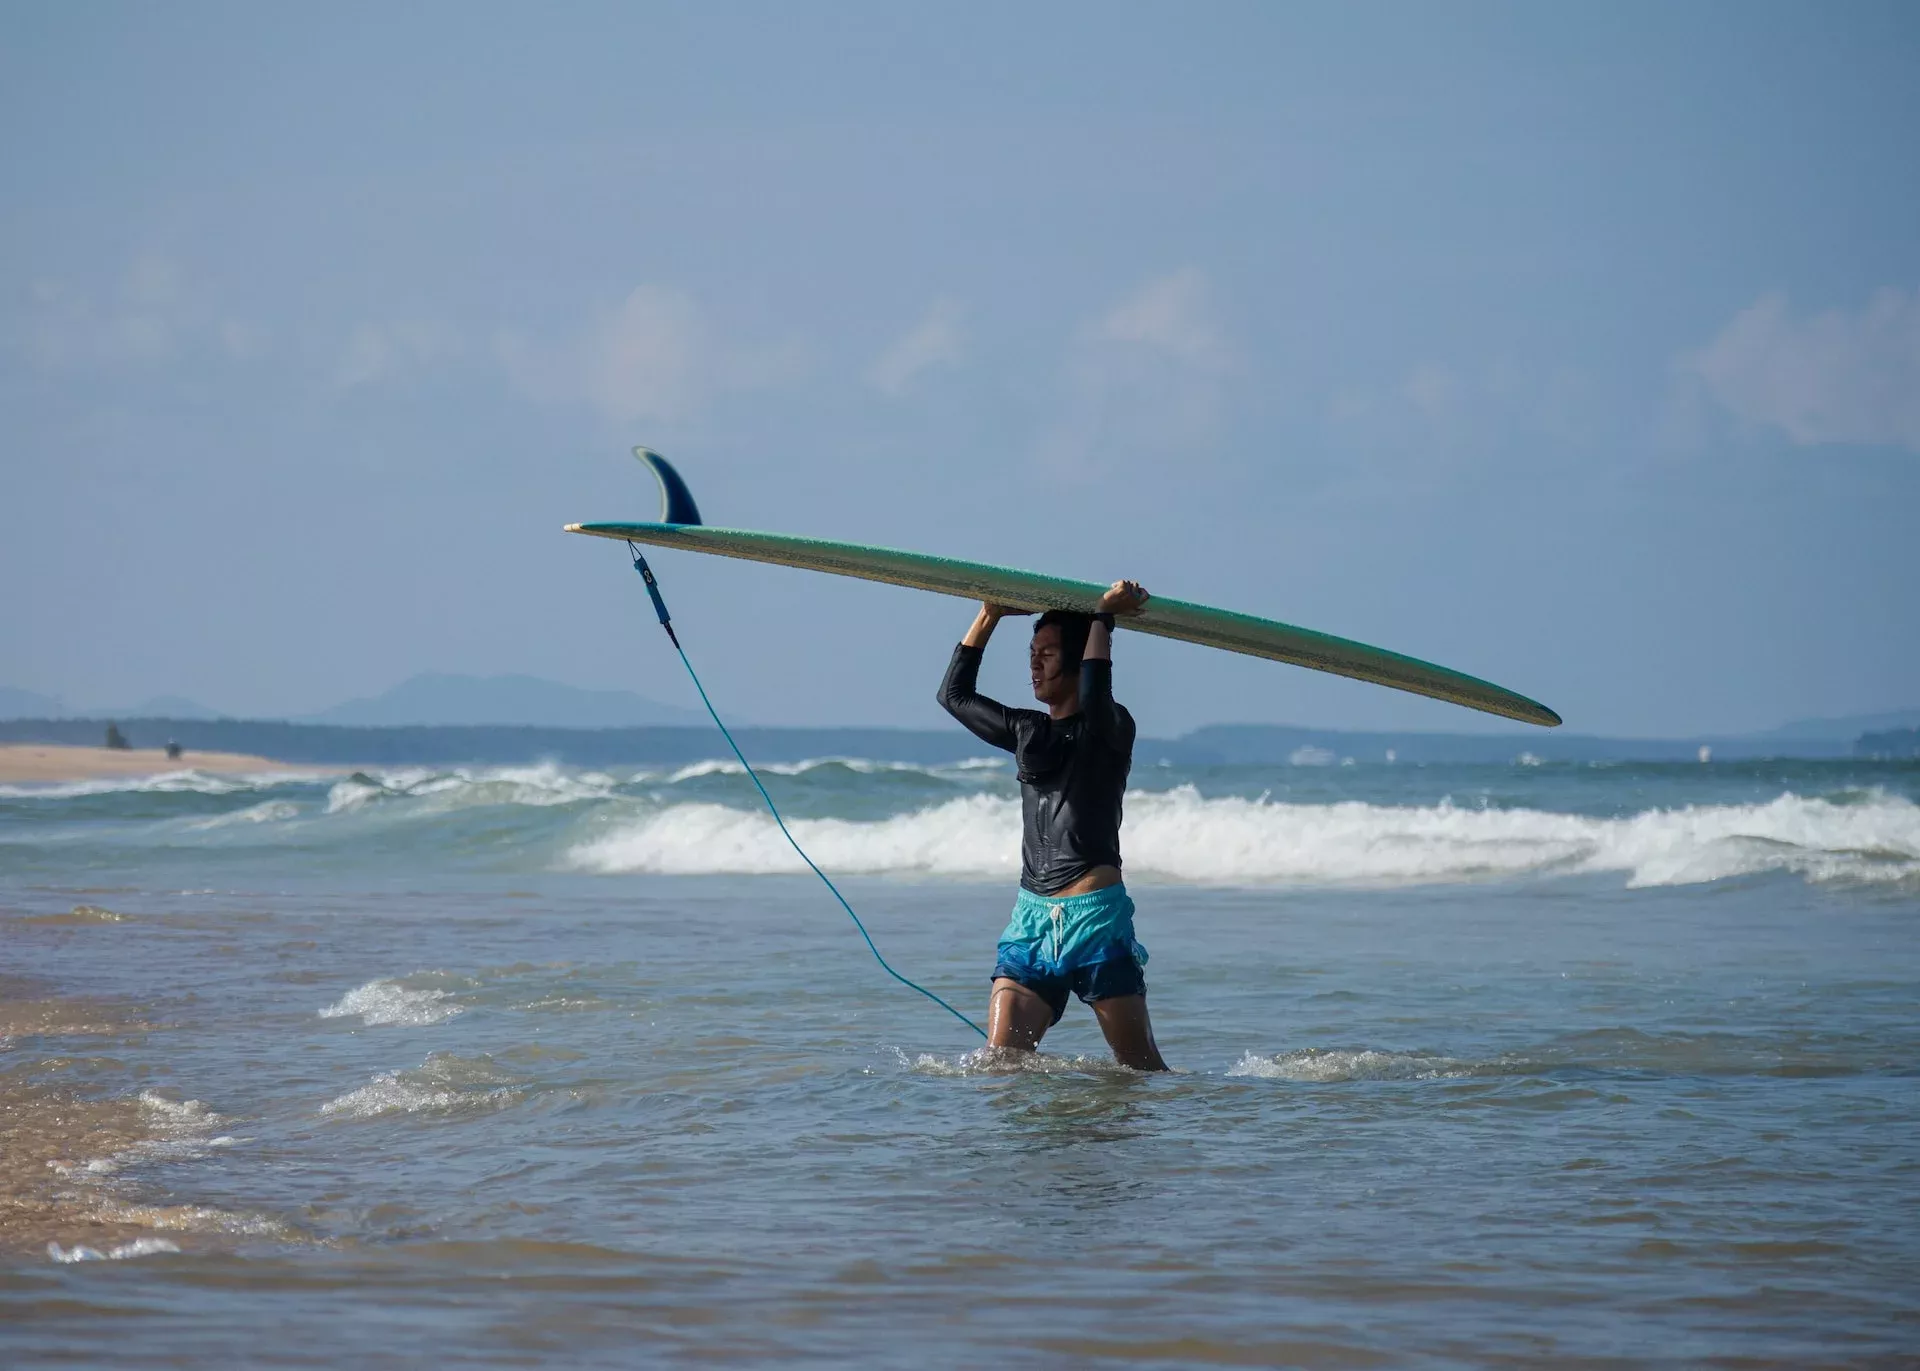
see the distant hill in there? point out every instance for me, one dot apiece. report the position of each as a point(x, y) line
point(1847, 727)
point(28, 704)
point(1891, 742)
point(166, 707)
point(442, 698)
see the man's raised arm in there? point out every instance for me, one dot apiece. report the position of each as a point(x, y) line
point(1096, 663)
point(986, 719)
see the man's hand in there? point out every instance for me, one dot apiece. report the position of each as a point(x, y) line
point(1123, 597)
point(983, 623)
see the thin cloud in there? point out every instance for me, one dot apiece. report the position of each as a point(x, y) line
point(1172, 316)
point(153, 314)
point(385, 351)
point(652, 358)
point(937, 340)
point(1151, 372)
point(1837, 377)
point(655, 356)
point(1441, 409)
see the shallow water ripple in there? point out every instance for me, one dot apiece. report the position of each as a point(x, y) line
point(504, 1113)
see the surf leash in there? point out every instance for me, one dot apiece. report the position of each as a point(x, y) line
point(666, 622)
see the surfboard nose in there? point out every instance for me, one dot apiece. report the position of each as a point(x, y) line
point(676, 501)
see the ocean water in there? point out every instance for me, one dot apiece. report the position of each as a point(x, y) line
point(1474, 1066)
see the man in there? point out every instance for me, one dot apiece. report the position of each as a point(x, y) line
point(1072, 925)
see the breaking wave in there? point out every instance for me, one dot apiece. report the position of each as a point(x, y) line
point(266, 812)
point(961, 821)
point(1180, 836)
point(978, 835)
point(386, 1003)
point(860, 766)
point(188, 782)
point(537, 786)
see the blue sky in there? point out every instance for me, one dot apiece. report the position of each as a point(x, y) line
point(1574, 347)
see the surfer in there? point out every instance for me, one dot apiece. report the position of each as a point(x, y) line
point(1072, 924)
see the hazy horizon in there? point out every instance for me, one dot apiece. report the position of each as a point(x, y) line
point(452, 701)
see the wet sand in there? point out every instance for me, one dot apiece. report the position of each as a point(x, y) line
point(31, 762)
point(56, 1133)
point(76, 1118)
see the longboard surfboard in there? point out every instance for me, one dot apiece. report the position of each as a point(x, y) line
point(680, 527)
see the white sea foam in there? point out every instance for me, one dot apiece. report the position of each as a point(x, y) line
point(1181, 837)
point(171, 782)
point(1327, 1065)
point(175, 1117)
point(863, 766)
point(537, 786)
point(139, 1247)
point(444, 1084)
point(1002, 1061)
point(266, 812)
point(973, 836)
point(92, 914)
point(192, 1218)
point(1788, 1051)
point(387, 1003)
point(349, 795)
point(178, 1130)
point(715, 767)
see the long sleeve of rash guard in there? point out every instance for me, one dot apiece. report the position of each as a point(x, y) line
point(1105, 721)
point(988, 720)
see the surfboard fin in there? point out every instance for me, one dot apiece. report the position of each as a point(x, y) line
point(676, 501)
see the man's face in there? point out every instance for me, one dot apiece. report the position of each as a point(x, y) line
point(1052, 683)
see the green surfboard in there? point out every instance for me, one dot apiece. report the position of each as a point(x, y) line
point(1027, 590)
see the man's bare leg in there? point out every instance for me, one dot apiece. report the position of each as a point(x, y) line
point(1129, 1032)
point(1016, 1017)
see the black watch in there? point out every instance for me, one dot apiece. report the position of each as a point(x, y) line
point(1106, 619)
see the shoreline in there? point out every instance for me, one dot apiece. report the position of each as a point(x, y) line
point(52, 763)
point(64, 1140)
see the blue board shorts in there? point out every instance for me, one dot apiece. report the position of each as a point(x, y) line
point(1082, 943)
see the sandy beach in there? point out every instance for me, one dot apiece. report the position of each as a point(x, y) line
point(30, 762)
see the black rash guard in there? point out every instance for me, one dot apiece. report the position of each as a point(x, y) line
point(1073, 771)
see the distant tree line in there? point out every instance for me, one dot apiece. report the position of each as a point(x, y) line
point(1894, 744)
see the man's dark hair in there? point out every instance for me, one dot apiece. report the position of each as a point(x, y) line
point(1074, 628)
